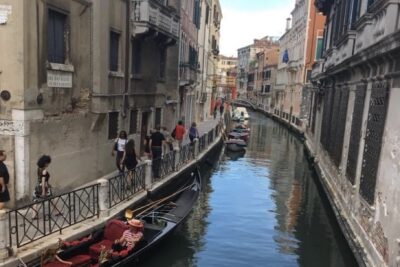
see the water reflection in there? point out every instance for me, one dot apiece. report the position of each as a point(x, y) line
point(259, 209)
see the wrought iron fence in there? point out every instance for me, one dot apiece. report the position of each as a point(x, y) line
point(164, 166)
point(210, 137)
point(186, 154)
point(125, 185)
point(202, 143)
point(40, 219)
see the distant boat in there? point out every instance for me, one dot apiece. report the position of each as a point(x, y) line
point(240, 114)
point(236, 145)
point(236, 135)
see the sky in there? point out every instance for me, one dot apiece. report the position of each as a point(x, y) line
point(246, 20)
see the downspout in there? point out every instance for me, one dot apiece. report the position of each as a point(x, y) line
point(125, 100)
point(178, 114)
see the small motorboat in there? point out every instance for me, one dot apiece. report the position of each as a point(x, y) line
point(236, 145)
point(158, 220)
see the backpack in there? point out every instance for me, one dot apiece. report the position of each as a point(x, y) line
point(173, 134)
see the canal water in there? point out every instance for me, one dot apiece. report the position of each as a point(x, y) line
point(263, 208)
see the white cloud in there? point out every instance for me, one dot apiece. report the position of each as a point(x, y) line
point(240, 28)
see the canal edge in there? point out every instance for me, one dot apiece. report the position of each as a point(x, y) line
point(348, 231)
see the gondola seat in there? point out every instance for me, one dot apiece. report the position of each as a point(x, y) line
point(113, 230)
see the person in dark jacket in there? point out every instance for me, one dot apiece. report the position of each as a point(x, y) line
point(193, 132)
point(130, 161)
point(4, 179)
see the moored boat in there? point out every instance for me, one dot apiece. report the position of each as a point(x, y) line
point(236, 135)
point(235, 145)
point(159, 219)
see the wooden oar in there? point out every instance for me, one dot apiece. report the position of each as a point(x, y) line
point(155, 203)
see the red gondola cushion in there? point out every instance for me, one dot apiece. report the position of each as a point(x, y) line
point(95, 249)
point(77, 260)
point(113, 230)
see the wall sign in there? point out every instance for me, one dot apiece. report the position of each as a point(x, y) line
point(59, 79)
point(5, 11)
point(11, 127)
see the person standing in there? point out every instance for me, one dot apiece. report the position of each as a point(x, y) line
point(119, 147)
point(221, 110)
point(157, 140)
point(130, 161)
point(193, 132)
point(179, 133)
point(146, 142)
point(4, 179)
point(43, 188)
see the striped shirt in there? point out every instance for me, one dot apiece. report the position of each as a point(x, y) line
point(131, 238)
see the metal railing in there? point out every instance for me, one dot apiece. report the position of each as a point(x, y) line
point(166, 165)
point(40, 219)
point(125, 185)
point(210, 136)
point(186, 154)
point(202, 143)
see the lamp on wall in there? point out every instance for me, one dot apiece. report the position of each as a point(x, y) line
point(5, 95)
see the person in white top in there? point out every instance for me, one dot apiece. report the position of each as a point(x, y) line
point(119, 148)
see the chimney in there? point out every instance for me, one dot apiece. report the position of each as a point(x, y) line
point(288, 20)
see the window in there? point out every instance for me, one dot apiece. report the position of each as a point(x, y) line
point(163, 58)
point(133, 122)
point(267, 88)
point(56, 26)
point(319, 49)
point(157, 121)
point(136, 56)
point(308, 75)
point(114, 49)
point(113, 125)
point(207, 14)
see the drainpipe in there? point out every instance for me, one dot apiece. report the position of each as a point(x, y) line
point(125, 101)
point(178, 108)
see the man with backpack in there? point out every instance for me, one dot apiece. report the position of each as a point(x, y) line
point(178, 133)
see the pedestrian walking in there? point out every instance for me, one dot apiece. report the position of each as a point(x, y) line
point(215, 112)
point(193, 132)
point(119, 148)
point(4, 179)
point(130, 161)
point(43, 189)
point(221, 110)
point(179, 133)
point(156, 141)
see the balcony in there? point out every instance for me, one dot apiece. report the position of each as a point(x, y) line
point(155, 15)
point(293, 65)
point(188, 74)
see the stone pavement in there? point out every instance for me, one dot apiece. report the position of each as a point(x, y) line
point(203, 127)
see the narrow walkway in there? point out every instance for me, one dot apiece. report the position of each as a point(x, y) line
point(80, 208)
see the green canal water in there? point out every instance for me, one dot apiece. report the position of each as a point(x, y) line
point(263, 208)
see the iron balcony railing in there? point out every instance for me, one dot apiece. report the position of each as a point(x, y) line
point(125, 185)
point(40, 219)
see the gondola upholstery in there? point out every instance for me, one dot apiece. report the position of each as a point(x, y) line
point(113, 230)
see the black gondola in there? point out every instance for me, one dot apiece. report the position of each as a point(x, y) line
point(160, 218)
